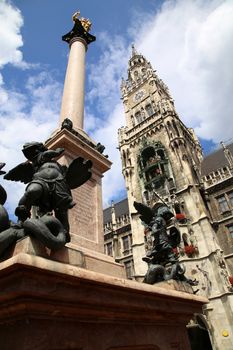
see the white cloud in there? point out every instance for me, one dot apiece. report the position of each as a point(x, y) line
point(104, 79)
point(24, 118)
point(11, 40)
point(113, 182)
point(190, 44)
point(105, 75)
point(27, 116)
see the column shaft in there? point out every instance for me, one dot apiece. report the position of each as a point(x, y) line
point(73, 94)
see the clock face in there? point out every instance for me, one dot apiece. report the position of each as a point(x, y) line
point(138, 95)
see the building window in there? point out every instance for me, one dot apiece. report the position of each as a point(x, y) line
point(108, 249)
point(129, 268)
point(149, 110)
point(223, 205)
point(139, 117)
point(230, 230)
point(126, 243)
point(230, 196)
point(132, 120)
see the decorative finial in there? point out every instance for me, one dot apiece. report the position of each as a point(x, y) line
point(227, 154)
point(222, 144)
point(134, 51)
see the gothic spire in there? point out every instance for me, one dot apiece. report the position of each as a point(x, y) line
point(134, 51)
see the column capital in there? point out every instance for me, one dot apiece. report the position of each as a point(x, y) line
point(77, 38)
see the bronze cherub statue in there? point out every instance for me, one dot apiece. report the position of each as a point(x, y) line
point(49, 186)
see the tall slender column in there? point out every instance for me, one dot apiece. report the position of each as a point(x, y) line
point(73, 94)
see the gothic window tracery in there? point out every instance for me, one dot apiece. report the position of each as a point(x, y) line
point(139, 116)
point(175, 127)
point(149, 110)
point(132, 120)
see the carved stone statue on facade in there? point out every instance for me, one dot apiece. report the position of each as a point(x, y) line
point(49, 186)
point(163, 263)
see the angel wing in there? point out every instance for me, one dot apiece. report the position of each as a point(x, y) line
point(22, 172)
point(145, 211)
point(3, 195)
point(1, 166)
point(78, 173)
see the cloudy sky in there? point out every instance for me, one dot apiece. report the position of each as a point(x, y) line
point(188, 42)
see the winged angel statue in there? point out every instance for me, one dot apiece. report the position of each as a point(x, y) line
point(162, 262)
point(49, 186)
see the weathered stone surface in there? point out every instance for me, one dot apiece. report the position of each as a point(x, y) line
point(50, 305)
point(70, 254)
point(86, 218)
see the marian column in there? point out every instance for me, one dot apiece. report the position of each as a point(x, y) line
point(86, 218)
point(73, 95)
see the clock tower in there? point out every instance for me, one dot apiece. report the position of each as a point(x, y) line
point(161, 161)
point(160, 155)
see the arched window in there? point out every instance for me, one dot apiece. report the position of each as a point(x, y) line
point(149, 110)
point(139, 117)
point(161, 154)
point(153, 163)
point(175, 127)
point(132, 120)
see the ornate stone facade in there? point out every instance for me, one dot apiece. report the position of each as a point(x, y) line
point(217, 176)
point(118, 235)
point(161, 160)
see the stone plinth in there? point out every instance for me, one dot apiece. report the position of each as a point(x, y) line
point(48, 305)
point(86, 218)
point(70, 254)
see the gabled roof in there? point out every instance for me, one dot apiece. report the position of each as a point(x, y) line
point(121, 208)
point(215, 160)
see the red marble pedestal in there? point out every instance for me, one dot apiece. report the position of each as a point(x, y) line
point(49, 305)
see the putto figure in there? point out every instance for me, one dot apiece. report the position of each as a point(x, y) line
point(80, 29)
point(49, 183)
point(156, 221)
point(162, 262)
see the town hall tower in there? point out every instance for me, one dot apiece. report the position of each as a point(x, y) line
point(161, 161)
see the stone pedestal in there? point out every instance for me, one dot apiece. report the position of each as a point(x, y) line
point(70, 255)
point(86, 218)
point(49, 305)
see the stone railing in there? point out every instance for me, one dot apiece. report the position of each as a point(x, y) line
point(217, 177)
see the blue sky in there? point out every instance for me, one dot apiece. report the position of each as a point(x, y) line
point(189, 43)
